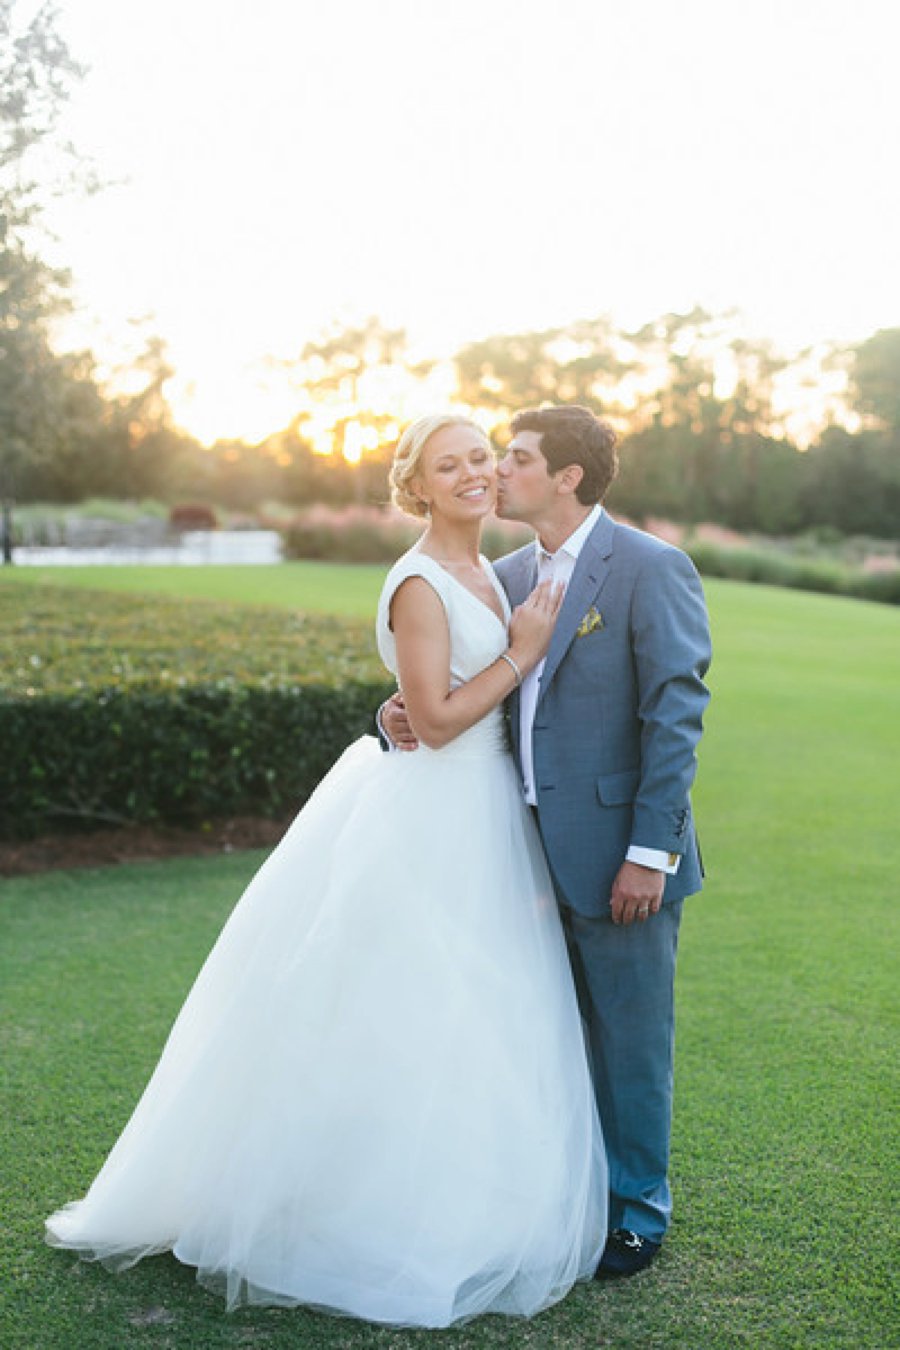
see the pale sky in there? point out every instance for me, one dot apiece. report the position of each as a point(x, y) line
point(474, 167)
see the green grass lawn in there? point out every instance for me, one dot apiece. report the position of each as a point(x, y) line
point(318, 588)
point(785, 1149)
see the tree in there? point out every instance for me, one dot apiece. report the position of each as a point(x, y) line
point(576, 363)
point(36, 74)
point(32, 378)
point(512, 370)
point(875, 378)
point(346, 376)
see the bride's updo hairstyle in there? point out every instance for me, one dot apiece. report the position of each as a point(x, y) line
point(409, 451)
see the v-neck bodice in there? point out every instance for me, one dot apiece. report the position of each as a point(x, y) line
point(495, 585)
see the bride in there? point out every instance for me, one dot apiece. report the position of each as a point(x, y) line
point(375, 1099)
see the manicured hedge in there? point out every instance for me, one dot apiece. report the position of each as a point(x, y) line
point(117, 708)
point(773, 568)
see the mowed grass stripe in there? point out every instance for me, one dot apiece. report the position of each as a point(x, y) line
point(316, 588)
point(785, 1144)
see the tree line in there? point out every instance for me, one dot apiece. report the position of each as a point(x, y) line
point(689, 451)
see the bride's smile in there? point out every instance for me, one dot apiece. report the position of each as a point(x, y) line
point(457, 473)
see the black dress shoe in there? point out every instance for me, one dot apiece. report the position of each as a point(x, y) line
point(625, 1254)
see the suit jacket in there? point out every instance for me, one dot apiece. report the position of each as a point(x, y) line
point(619, 713)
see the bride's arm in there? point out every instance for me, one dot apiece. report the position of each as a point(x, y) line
point(436, 713)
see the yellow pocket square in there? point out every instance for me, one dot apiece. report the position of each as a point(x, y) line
point(591, 621)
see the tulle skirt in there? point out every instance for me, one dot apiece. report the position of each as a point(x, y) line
point(376, 1098)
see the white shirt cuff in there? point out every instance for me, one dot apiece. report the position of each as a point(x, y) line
point(655, 858)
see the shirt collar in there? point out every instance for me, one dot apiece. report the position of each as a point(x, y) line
point(575, 542)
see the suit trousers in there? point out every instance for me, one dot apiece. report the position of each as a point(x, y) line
point(625, 978)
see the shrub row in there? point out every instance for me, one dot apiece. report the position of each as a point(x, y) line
point(183, 712)
point(773, 568)
point(369, 535)
point(365, 542)
point(366, 535)
point(180, 756)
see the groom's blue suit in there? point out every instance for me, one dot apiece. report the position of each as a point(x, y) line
point(617, 722)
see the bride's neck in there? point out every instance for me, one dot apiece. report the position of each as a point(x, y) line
point(449, 543)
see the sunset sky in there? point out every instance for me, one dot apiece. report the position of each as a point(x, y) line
point(473, 167)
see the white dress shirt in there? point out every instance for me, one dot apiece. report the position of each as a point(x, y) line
point(558, 567)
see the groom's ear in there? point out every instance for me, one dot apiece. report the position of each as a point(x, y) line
point(567, 479)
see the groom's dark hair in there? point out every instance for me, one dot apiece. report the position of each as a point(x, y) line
point(573, 435)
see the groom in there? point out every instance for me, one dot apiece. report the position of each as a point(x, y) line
point(605, 731)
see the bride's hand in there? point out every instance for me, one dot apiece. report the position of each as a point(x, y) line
point(532, 623)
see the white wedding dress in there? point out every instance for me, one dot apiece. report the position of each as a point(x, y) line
point(375, 1099)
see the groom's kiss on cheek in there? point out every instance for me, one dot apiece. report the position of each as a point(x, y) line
point(525, 488)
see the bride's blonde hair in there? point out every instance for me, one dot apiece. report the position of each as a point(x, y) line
point(409, 452)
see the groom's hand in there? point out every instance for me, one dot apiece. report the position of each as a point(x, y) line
point(395, 723)
point(637, 893)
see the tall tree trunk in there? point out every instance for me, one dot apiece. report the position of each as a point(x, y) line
point(6, 515)
point(6, 529)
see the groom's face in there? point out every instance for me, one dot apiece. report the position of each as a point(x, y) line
point(525, 490)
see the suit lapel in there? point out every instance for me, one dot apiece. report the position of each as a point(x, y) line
point(587, 581)
point(519, 576)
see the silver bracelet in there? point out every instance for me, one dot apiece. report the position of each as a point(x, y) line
point(505, 656)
